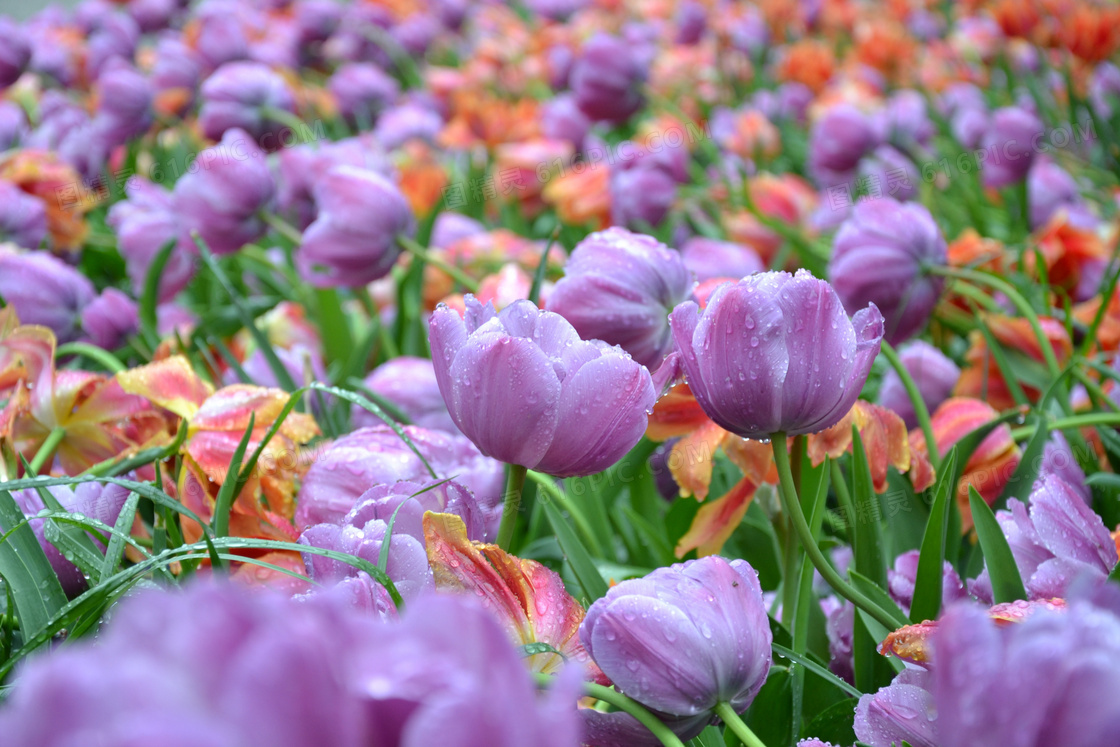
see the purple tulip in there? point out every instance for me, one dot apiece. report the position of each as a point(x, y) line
point(684, 638)
point(224, 197)
point(375, 456)
point(153, 15)
point(363, 91)
point(561, 119)
point(902, 578)
point(619, 287)
point(116, 36)
point(66, 128)
point(933, 372)
point(691, 21)
point(110, 318)
point(749, 33)
point(1049, 680)
point(1050, 188)
point(607, 78)
point(176, 67)
point(1011, 141)
point(840, 620)
point(245, 95)
point(144, 223)
point(304, 166)
point(837, 142)
point(904, 120)
point(712, 258)
point(23, 217)
point(790, 102)
point(92, 500)
point(641, 195)
point(879, 256)
point(526, 390)
point(215, 665)
point(407, 121)
point(902, 711)
point(1056, 540)
point(45, 290)
point(410, 384)
point(15, 52)
point(1104, 88)
point(316, 20)
point(354, 239)
point(1058, 460)
point(303, 364)
point(124, 104)
point(619, 729)
point(13, 125)
point(556, 10)
point(776, 353)
point(451, 227)
point(889, 173)
point(416, 33)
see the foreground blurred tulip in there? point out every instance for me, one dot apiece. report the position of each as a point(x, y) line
point(214, 665)
point(246, 95)
point(607, 78)
point(45, 290)
point(15, 52)
point(776, 353)
point(619, 287)
point(933, 373)
point(684, 639)
point(1012, 142)
point(903, 711)
point(526, 390)
point(354, 239)
point(223, 198)
point(880, 255)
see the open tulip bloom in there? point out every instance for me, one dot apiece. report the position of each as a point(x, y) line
point(559, 373)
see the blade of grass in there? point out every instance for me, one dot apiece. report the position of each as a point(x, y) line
point(1007, 584)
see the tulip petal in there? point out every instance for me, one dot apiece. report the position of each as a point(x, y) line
point(716, 520)
point(170, 383)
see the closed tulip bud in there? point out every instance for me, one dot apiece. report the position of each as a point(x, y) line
point(362, 91)
point(244, 95)
point(933, 372)
point(304, 166)
point(561, 119)
point(684, 638)
point(353, 241)
point(891, 173)
point(1050, 188)
point(223, 199)
point(23, 217)
point(691, 21)
point(409, 384)
point(450, 227)
point(124, 104)
point(619, 287)
point(527, 390)
point(641, 195)
point(407, 121)
point(116, 36)
point(13, 125)
point(712, 258)
point(776, 353)
point(879, 256)
point(837, 142)
point(904, 120)
point(144, 223)
point(607, 78)
point(110, 318)
point(153, 15)
point(15, 52)
point(175, 75)
point(1011, 141)
point(45, 290)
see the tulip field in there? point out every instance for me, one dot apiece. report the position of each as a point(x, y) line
point(560, 373)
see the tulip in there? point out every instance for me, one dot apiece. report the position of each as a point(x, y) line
point(684, 639)
point(879, 256)
point(888, 173)
point(606, 79)
point(837, 142)
point(451, 227)
point(903, 711)
point(45, 290)
point(905, 121)
point(110, 318)
point(1058, 460)
point(245, 95)
point(1104, 88)
point(776, 353)
point(410, 384)
point(691, 21)
point(153, 15)
point(363, 91)
point(561, 119)
point(1011, 142)
point(1056, 540)
point(223, 198)
point(23, 217)
point(619, 287)
point(527, 391)
point(304, 166)
point(641, 195)
point(1050, 188)
point(712, 258)
point(407, 121)
point(116, 36)
point(375, 456)
point(1049, 680)
point(144, 223)
point(354, 239)
point(124, 104)
point(15, 52)
point(13, 125)
point(933, 373)
point(902, 578)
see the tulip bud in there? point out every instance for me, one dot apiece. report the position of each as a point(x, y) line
point(45, 290)
point(837, 142)
point(902, 711)
point(933, 372)
point(1050, 188)
point(144, 223)
point(641, 195)
point(1011, 140)
point(175, 75)
point(363, 91)
point(607, 78)
point(879, 256)
point(890, 174)
point(223, 198)
point(244, 95)
point(526, 390)
point(619, 287)
point(410, 384)
point(691, 21)
point(684, 638)
point(776, 353)
point(124, 104)
point(353, 241)
point(711, 258)
point(407, 121)
point(110, 318)
point(13, 125)
point(23, 217)
point(15, 52)
point(561, 119)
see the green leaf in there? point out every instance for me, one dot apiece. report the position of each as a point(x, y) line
point(35, 588)
point(582, 565)
point(539, 647)
point(1022, 480)
point(1007, 584)
point(815, 668)
point(879, 597)
point(835, 724)
point(115, 551)
point(228, 492)
point(931, 561)
point(995, 349)
point(149, 298)
point(334, 327)
point(866, 528)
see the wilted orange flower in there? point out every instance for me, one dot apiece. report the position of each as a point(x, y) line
point(787, 198)
point(754, 136)
point(982, 377)
point(884, 44)
point(809, 62)
point(1066, 250)
point(44, 175)
point(582, 199)
point(422, 177)
point(521, 170)
point(1090, 31)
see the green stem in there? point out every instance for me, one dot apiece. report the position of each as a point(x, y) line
point(625, 704)
point(107, 360)
point(737, 725)
point(792, 507)
point(423, 254)
point(334, 327)
point(511, 505)
point(283, 227)
point(46, 451)
point(286, 118)
point(921, 412)
point(1072, 423)
point(545, 483)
